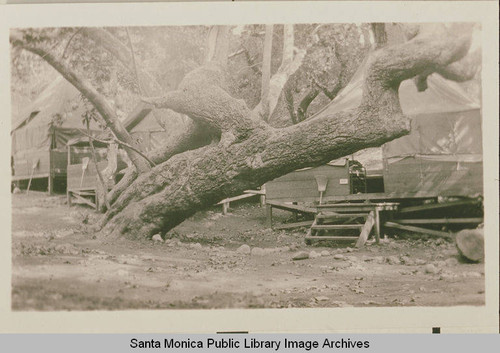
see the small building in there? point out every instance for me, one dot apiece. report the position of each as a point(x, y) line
point(41, 132)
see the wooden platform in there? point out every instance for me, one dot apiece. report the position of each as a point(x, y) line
point(87, 196)
point(348, 216)
point(247, 193)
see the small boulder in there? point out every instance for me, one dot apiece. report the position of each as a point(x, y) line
point(392, 260)
point(244, 249)
point(313, 254)
point(321, 299)
point(258, 251)
point(196, 246)
point(420, 262)
point(430, 268)
point(325, 253)
point(338, 257)
point(157, 238)
point(470, 244)
point(451, 262)
point(301, 255)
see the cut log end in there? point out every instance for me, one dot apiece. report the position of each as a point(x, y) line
point(470, 244)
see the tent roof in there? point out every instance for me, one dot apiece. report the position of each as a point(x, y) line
point(441, 96)
point(59, 98)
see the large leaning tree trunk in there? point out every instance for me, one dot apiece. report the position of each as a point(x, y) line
point(250, 152)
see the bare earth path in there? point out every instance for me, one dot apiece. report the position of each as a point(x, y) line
point(59, 265)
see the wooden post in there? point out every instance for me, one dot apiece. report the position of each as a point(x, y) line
point(225, 208)
point(50, 183)
point(269, 215)
point(295, 213)
point(377, 225)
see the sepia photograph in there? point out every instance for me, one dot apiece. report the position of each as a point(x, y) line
point(256, 165)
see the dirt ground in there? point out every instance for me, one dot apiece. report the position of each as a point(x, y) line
point(58, 264)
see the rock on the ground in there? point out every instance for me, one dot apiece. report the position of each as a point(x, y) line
point(325, 253)
point(301, 255)
point(451, 261)
point(196, 246)
point(313, 254)
point(244, 249)
point(321, 299)
point(420, 262)
point(258, 251)
point(392, 260)
point(157, 237)
point(470, 244)
point(430, 268)
point(338, 257)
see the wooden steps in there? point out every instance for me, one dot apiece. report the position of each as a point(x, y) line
point(83, 197)
point(333, 237)
point(333, 218)
point(341, 215)
point(336, 226)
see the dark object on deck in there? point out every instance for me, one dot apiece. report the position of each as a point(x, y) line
point(470, 244)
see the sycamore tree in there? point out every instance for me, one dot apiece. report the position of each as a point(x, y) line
point(247, 96)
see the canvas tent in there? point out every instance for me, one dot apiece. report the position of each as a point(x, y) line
point(146, 129)
point(41, 132)
point(442, 155)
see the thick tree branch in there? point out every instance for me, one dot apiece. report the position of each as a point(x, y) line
point(102, 106)
point(202, 98)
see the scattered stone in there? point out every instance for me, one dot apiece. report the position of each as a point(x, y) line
point(321, 299)
point(392, 260)
point(301, 255)
point(420, 262)
point(447, 276)
point(430, 268)
point(196, 246)
point(451, 262)
point(258, 252)
point(325, 253)
point(338, 257)
point(349, 250)
point(244, 249)
point(157, 238)
point(472, 274)
point(313, 255)
point(441, 263)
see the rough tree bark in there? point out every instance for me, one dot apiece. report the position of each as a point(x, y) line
point(193, 136)
point(174, 190)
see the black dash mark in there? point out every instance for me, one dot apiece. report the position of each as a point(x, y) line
point(436, 330)
point(232, 333)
